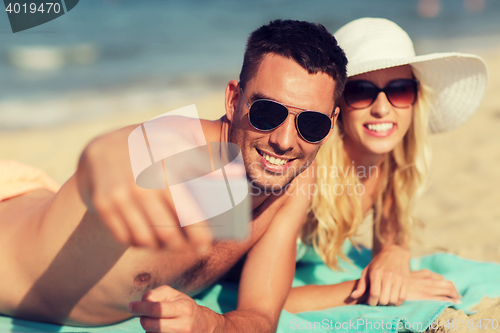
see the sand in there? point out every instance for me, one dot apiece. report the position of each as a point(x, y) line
point(56, 149)
point(487, 319)
point(460, 211)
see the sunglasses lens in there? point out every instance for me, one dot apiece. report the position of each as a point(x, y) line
point(402, 93)
point(267, 115)
point(313, 126)
point(360, 94)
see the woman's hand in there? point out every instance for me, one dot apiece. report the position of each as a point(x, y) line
point(425, 284)
point(387, 277)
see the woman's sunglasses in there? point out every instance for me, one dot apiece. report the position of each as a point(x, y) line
point(361, 94)
point(267, 115)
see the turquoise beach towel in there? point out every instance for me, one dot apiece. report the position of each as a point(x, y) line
point(474, 280)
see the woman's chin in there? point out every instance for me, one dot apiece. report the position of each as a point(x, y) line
point(379, 148)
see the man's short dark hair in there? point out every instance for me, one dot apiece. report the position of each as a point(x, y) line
point(309, 44)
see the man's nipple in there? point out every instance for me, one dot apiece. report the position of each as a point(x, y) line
point(142, 279)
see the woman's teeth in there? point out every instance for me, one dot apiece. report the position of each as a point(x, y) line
point(273, 160)
point(384, 127)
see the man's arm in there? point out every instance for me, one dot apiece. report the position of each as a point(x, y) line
point(107, 187)
point(270, 266)
point(265, 281)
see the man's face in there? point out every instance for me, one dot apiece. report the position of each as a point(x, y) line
point(274, 158)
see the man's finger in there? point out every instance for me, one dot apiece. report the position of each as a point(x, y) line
point(198, 234)
point(107, 212)
point(149, 309)
point(155, 324)
point(118, 227)
point(161, 294)
point(168, 309)
point(164, 224)
point(165, 325)
point(155, 309)
point(140, 228)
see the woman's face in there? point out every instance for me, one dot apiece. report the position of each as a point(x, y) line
point(378, 128)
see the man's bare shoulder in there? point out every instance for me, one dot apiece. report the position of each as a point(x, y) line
point(194, 129)
point(213, 130)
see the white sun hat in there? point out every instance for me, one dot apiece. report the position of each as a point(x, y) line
point(458, 80)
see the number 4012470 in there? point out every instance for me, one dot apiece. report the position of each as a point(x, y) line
point(47, 7)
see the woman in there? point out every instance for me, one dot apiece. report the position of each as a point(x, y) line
point(377, 160)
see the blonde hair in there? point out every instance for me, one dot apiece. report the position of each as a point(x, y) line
point(335, 217)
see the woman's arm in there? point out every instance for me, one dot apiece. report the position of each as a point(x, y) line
point(314, 297)
point(319, 297)
point(389, 230)
point(387, 276)
point(423, 284)
point(382, 282)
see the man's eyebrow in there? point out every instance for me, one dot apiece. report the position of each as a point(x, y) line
point(256, 96)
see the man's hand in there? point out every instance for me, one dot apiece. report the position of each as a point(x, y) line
point(135, 216)
point(165, 309)
point(425, 284)
point(387, 276)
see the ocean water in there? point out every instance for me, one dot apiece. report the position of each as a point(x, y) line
point(117, 47)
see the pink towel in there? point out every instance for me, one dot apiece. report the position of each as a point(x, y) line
point(18, 178)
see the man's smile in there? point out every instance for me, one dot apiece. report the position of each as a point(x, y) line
point(273, 162)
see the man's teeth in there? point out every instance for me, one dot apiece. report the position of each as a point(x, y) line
point(380, 127)
point(273, 160)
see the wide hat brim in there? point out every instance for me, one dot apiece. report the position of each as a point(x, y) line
point(457, 80)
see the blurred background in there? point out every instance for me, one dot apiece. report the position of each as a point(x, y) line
point(111, 63)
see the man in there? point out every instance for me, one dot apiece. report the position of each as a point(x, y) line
point(88, 253)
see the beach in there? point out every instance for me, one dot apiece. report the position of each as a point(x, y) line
point(459, 212)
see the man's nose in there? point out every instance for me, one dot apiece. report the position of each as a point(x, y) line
point(285, 136)
point(381, 107)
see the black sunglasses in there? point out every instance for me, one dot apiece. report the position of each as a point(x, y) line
point(267, 115)
point(361, 94)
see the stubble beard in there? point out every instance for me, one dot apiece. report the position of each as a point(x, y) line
point(262, 180)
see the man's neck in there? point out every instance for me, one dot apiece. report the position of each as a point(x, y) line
point(257, 199)
point(224, 129)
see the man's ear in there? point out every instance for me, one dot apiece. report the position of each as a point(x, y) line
point(232, 98)
point(335, 116)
